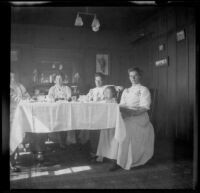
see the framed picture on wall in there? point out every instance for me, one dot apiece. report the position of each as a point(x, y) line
point(102, 63)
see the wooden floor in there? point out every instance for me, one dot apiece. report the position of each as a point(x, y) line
point(170, 168)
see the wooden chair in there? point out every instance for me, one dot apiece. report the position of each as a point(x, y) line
point(154, 93)
point(119, 90)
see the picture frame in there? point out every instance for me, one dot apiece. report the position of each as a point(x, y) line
point(180, 35)
point(102, 64)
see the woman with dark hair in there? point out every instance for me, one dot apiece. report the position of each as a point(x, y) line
point(138, 145)
point(95, 94)
point(61, 92)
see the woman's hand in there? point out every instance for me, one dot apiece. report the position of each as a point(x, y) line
point(125, 112)
point(131, 111)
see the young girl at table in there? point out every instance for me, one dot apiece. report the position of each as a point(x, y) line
point(107, 135)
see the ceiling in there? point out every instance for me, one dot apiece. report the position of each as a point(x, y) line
point(111, 18)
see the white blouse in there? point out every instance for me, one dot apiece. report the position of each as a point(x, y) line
point(59, 92)
point(136, 96)
point(18, 93)
point(96, 94)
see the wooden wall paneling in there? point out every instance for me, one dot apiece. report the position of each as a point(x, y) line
point(172, 99)
point(162, 81)
point(164, 71)
point(123, 71)
point(150, 65)
point(145, 62)
point(89, 67)
point(27, 66)
point(192, 78)
point(114, 61)
point(155, 72)
point(171, 116)
point(182, 79)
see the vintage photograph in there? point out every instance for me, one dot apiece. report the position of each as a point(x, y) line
point(76, 123)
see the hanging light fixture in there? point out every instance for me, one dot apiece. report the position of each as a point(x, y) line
point(78, 21)
point(95, 23)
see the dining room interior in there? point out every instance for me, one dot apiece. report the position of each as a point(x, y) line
point(79, 41)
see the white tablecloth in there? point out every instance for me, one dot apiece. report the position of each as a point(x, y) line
point(45, 117)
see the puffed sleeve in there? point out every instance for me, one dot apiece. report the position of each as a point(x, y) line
point(51, 93)
point(122, 101)
point(145, 98)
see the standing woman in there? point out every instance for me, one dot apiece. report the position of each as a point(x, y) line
point(138, 145)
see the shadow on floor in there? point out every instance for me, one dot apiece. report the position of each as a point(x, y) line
point(169, 168)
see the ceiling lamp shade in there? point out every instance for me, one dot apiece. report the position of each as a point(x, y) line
point(78, 21)
point(95, 24)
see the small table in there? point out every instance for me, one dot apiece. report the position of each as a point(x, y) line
point(47, 117)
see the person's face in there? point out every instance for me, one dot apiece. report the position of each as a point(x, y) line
point(134, 77)
point(58, 80)
point(98, 81)
point(108, 94)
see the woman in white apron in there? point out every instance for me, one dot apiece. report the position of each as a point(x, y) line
point(138, 145)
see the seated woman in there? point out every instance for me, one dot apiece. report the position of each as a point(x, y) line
point(138, 145)
point(17, 93)
point(107, 135)
point(61, 92)
point(95, 94)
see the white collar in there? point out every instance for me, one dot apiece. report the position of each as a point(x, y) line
point(136, 85)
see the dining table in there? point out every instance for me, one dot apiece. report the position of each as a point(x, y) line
point(48, 117)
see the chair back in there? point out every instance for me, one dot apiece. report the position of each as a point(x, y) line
point(119, 90)
point(154, 93)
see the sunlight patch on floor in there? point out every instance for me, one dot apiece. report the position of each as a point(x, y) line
point(19, 177)
point(46, 173)
point(36, 174)
point(72, 170)
point(80, 168)
point(63, 171)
